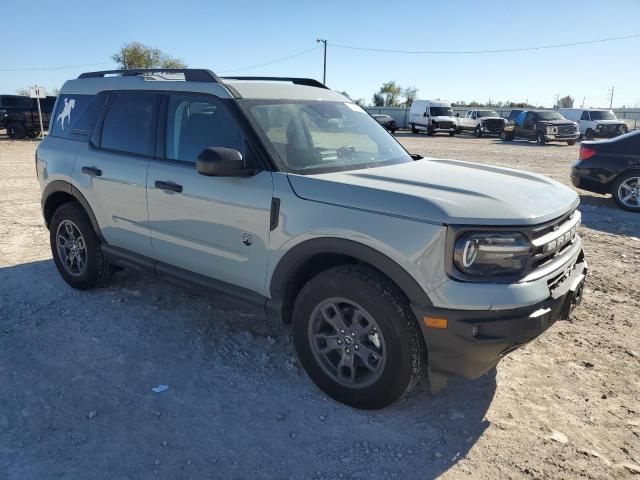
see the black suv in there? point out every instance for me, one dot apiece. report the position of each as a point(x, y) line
point(19, 115)
point(542, 126)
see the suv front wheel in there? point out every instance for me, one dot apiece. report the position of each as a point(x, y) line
point(357, 338)
point(76, 248)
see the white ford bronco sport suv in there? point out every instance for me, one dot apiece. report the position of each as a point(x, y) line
point(281, 192)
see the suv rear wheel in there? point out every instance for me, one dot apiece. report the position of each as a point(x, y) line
point(76, 248)
point(16, 131)
point(626, 191)
point(357, 338)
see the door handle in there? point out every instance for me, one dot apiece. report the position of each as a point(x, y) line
point(93, 171)
point(171, 186)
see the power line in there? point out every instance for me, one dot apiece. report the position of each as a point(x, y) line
point(504, 50)
point(272, 62)
point(111, 63)
point(28, 69)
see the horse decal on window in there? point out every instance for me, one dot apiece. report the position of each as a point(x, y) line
point(66, 112)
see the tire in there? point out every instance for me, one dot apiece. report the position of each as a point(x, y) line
point(91, 269)
point(477, 132)
point(540, 140)
point(397, 347)
point(451, 134)
point(33, 133)
point(506, 136)
point(413, 128)
point(590, 134)
point(430, 131)
point(571, 142)
point(16, 131)
point(619, 192)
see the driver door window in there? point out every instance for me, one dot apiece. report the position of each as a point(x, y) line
point(529, 120)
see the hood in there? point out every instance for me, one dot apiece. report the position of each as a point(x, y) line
point(444, 192)
point(492, 118)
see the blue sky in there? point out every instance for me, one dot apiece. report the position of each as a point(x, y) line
point(226, 36)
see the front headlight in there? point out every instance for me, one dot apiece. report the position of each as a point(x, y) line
point(482, 254)
point(600, 127)
point(552, 129)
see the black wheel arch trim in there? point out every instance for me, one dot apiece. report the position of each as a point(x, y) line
point(65, 187)
point(296, 257)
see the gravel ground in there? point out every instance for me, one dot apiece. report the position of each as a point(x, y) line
point(77, 371)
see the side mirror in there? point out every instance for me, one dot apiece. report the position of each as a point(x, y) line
point(457, 115)
point(425, 114)
point(222, 162)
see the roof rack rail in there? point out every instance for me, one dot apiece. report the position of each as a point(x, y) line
point(190, 74)
point(309, 82)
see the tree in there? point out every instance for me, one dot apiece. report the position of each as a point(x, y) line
point(22, 91)
point(410, 94)
point(139, 55)
point(378, 100)
point(566, 102)
point(390, 91)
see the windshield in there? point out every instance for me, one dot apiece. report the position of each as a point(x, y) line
point(487, 113)
point(602, 115)
point(441, 112)
point(549, 116)
point(318, 136)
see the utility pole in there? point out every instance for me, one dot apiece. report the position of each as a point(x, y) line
point(557, 104)
point(324, 69)
point(584, 99)
point(611, 99)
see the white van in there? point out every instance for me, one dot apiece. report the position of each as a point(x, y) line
point(595, 122)
point(432, 116)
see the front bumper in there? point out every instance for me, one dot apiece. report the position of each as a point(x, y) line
point(561, 138)
point(475, 341)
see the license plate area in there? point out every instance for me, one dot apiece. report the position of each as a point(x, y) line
point(574, 296)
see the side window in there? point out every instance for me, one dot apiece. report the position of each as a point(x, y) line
point(468, 115)
point(195, 123)
point(529, 119)
point(130, 124)
point(69, 110)
point(585, 115)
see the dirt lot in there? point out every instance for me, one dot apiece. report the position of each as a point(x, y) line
point(77, 371)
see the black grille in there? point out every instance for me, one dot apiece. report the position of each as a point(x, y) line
point(494, 125)
point(444, 125)
point(566, 130)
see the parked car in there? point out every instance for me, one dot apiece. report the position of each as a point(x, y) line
point(595, 122)
point(19, 115)
point(286, 194)
point(543, 126)
point(432, 116)
point(611, 167)
point(481, 122)
point(386, 121)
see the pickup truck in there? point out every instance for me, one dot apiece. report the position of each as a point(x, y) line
point(481, 122)
point(19, 115)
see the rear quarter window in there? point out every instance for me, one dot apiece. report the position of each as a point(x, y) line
point(75, 115)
